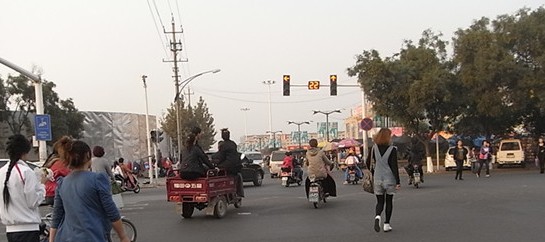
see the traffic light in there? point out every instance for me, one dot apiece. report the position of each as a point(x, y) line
point(156, 136)
point(333, 85)
point(159, 136)
point(153, 136)
point(286, 85)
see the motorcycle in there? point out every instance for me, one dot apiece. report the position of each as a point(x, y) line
point(352, 175)
point(126, 186)
point(316, 193)
point(415, 179)
point(288, 177)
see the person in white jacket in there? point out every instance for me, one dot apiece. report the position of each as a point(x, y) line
point(22, 193)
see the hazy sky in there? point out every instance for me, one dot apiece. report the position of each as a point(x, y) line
point(96, 51)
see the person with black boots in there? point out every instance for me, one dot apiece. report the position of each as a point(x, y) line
point(459, 153)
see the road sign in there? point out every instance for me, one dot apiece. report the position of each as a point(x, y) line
point(366, 124)
point(42, 127)
point(313, 85)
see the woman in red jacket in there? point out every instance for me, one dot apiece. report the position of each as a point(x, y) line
point(59, 169)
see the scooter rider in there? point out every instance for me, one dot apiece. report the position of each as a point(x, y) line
point(415, 158)
point(298, 167)
point(228, 158)
point(352, 161)
point(318, 166)
point(289, 162)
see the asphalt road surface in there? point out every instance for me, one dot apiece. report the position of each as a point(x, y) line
point(508, 206)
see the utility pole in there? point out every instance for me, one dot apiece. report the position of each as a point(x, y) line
point(175, 47)
point(188, 93)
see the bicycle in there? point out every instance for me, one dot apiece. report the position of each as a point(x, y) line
point(128, 226)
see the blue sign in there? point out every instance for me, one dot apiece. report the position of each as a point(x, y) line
point(42, 127)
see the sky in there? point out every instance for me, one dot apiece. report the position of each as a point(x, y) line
point(97, 51)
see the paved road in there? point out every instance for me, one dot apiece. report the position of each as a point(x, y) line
point(509, 206)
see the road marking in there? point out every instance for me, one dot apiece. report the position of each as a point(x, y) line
point(244, 213)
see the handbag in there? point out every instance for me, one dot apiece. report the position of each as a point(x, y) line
point(368, 182)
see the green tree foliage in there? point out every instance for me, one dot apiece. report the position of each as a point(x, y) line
point(18, 98)
point(413, 87)
point(190, 117)
point(501, 67)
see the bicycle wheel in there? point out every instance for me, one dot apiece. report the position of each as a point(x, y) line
point(129, 228)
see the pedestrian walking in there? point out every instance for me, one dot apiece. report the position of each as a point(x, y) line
point(485, 155)
point(22, 192)
point(541, 155)
point(383, 163)
point(100, 164)
point(59, 169)
point(84, 210)
point(459, 153)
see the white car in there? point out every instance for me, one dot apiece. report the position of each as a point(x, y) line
point(277, 158)
point(450, 164)
point(510, 152)
point(256, 157)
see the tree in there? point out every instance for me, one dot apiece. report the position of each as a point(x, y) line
point(189, 118)
point(492, 75)
point(413, 87)
point(19, 100)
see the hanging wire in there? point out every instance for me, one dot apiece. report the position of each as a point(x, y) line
point(158, 31)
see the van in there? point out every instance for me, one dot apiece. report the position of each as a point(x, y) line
point(510, 152)
point(277, 158)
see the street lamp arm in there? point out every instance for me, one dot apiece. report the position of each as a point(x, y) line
point(26, 73)
point(191, 78)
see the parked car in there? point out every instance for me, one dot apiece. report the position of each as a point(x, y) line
point(450, 164)
point(510, 152)
point(250, 172)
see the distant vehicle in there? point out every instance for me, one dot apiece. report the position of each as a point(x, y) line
point(510, 152)
point(250, 171)
point(256, 157)
point(277, 158)
point(450, 164)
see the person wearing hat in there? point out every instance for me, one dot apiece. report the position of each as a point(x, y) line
point(228, 158)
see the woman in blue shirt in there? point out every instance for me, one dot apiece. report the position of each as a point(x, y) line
point(84, 209)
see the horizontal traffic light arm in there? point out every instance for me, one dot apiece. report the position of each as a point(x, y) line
point(339, 85)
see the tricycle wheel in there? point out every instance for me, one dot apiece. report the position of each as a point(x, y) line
point(315, 204)
point(221, 208)
point(187, 210)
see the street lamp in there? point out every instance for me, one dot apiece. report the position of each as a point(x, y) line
point(269, 83)
point(37, 81)
point(327, 113)
point(245, 110)
point(273, 133)
point(150, 171)
point(177, 100)
point(299, 129)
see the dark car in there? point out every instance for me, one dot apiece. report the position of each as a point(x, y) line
point(250, 172)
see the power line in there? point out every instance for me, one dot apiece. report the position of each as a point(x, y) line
point(157, 28)
point(179, 15)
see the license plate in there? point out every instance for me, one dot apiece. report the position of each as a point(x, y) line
point(510, 156)
point(416, 174)
point(284, 178)
point(314, 189)
point(313, 197)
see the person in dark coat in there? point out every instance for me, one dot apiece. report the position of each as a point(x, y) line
point(194, 162)
point(541, 155)
point(459, 153)
point(228, 158)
